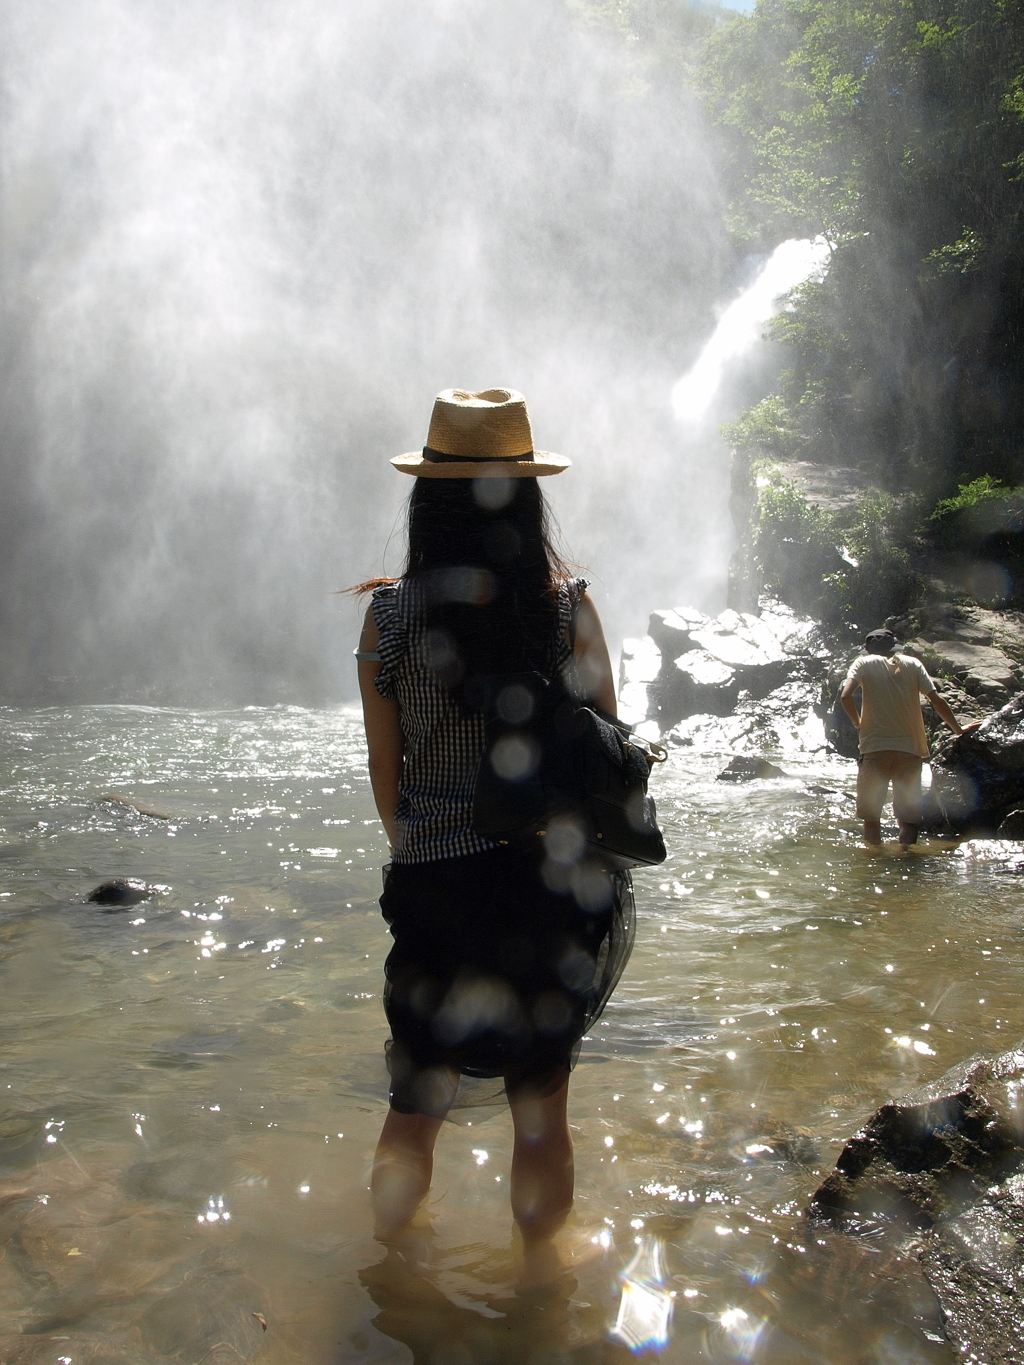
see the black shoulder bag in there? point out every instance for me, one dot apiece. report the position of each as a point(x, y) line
point(553, 765)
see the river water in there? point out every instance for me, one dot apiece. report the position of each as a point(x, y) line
point(191, 1089)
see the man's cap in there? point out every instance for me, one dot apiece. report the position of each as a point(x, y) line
point(880, 642)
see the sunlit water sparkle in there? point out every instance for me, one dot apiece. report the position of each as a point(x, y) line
point(190, 1089)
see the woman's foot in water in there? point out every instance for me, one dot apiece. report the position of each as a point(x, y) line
point(545, 1259)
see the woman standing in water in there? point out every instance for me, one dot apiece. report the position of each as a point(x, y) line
point(502, 957)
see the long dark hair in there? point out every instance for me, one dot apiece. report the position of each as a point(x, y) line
point(481, 551)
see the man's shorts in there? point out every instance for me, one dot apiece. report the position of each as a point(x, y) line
point(875, 773)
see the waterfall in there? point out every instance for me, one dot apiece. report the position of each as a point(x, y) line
point(739, 327)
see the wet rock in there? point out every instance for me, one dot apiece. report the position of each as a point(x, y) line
point(1012, 825)
point(709, 665)
point(945, 1165)
point(840, 730)
point(639, 666)
point(976, 1268)
point(739, 680)
point(694, 684)
point(978, 778)
point(670, 630)
point(786, 722)
point(833, 488)
point(130, 803)
point(747, 769)
point(119, 891)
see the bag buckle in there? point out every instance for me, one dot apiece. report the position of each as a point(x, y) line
point(654, 753)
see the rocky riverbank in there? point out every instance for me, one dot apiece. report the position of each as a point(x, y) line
point(765, 684)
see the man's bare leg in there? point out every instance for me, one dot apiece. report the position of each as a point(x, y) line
point(908, 834)
point(873, 833)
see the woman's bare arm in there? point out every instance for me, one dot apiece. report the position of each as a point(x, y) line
point(592, 661)
point(383, 733)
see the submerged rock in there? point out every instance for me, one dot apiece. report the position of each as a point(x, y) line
point(119, 891)
point(943, 1168)
point(743, 769)
point(210, 1318)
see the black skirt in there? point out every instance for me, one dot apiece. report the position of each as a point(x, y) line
point(500, 965)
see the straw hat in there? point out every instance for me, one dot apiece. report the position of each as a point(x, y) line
point(479, 436)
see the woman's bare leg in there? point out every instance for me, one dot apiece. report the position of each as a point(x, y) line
point(542, 1162)
point(402, 1167)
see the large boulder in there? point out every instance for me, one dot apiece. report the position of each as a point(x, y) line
point(694, 684)
point(670, 630)
point(709, 664)
point(942, 1171)
point(982, 670)
point(978, 778)
point(639, 666)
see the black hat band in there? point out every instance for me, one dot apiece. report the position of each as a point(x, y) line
point(439, 457)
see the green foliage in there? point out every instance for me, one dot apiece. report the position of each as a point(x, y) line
point(765, 430)
point(895, 128)
point(663, 35)
point(959, 257)
point(985, 489)
point(844, 568)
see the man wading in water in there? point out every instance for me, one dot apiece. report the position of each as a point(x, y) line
point(893, 744)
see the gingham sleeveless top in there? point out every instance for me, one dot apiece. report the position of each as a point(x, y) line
point(443, 743)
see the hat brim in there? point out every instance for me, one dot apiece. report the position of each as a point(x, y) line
point(542, 464)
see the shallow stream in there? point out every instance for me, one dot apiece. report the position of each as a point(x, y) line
point(191, 1089)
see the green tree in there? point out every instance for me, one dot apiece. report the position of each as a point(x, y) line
point(896, 130)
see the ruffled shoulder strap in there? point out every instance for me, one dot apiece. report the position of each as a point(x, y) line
point(392, 636)
point(570, 595)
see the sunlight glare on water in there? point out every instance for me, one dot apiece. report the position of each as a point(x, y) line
point(191, 1088)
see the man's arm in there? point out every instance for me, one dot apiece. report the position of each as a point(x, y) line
point(942, 710)
point(383, 733)
point(847, 702)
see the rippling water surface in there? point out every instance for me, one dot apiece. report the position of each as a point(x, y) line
point(191, 1089)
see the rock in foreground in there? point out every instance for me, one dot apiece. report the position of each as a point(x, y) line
point(978, 778)
point(944, 1166)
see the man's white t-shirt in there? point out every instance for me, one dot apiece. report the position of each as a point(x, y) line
point(891, 688)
